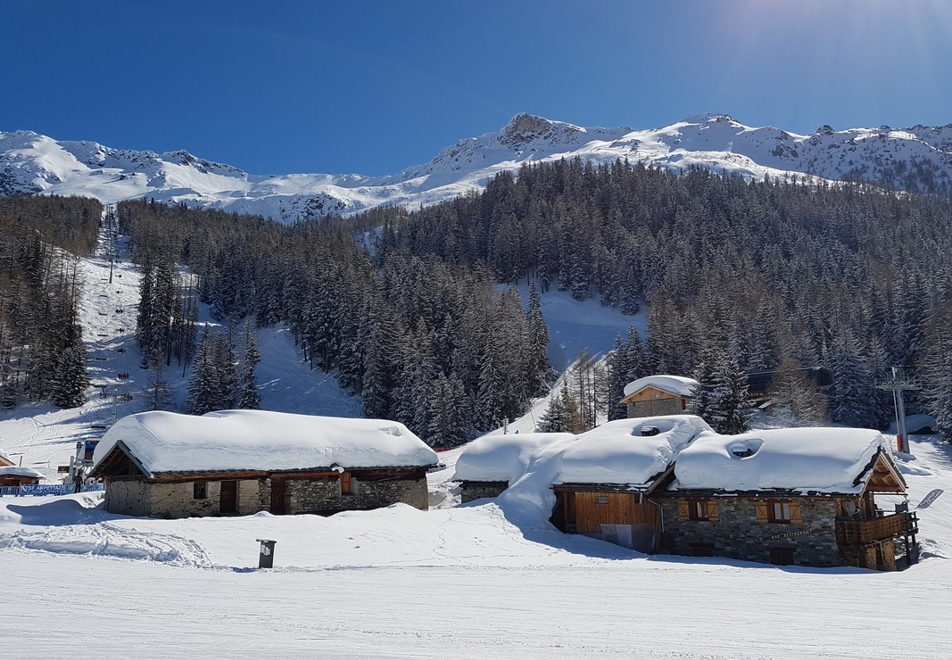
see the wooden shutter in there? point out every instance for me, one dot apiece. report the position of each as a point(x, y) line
point(795, 517)
point(712, 511)
point(761, 510)
point(684, 509)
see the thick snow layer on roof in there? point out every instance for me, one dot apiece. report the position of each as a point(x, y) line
point(619, 453)
point(263, 440)
point(504, 457)
point(805, 459)
point(17, 471)
point(679, 385)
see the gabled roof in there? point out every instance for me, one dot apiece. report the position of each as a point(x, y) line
point(677, 385)
point(504, 457)
point(805, 460)
point(255, 440)
point(16, 471)
point(632, 451)
point(4, 459)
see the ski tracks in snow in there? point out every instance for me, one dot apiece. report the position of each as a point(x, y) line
point(109, 539)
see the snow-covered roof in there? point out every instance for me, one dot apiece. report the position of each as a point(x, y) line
point(17, 471)
point(679, 385)
point(262, 440)
point(827, 460)
point(618, 452)
point(504, 457)
point(4, 459)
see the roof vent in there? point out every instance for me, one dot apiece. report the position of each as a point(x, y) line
point(647, 431)
point(745, 448)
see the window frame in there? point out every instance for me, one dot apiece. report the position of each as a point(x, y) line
point(699, 509)
point(199, 490)
point(785, 511)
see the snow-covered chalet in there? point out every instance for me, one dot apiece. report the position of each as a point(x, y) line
point(788, 496)
point(658, 395)
point(239, 462)
point(670, 484)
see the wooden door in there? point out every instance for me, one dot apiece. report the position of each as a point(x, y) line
point(278, 489)
point(229, 497)
point(782, 555)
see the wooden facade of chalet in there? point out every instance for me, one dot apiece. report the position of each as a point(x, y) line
point(651, 401)
point(777, 527)
point(623, 514)
point(324, 491)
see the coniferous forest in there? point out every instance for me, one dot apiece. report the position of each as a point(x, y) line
point(739, 276)
point(42, 357)
point(404, 306)
point(428, 343)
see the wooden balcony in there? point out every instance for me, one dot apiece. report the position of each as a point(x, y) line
point(859, 532)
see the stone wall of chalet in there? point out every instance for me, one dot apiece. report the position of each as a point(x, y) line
point(323, 496)
point(738, 534)
point(474, 490)
point(131, 498)
point(176, 500)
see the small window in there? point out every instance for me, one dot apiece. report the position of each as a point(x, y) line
point(200, 490)
point(601, 499)
point(700, 510)
point(778, 511)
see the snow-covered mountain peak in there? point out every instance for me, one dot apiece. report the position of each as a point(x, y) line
point(917, 159)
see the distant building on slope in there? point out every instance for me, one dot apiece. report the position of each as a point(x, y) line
point(239, 462)
point(658, 395)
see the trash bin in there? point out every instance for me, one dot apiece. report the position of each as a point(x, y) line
point(266, 555)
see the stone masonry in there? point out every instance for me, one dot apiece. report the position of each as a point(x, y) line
point(737, 533)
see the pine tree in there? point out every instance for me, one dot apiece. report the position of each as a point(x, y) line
point(556, 418)
point(204, 389)
point(538, 370)
point(794, 397)
point(938, 369)
point(227, 368)
point(721, 395)
point(624, 365)
point(71, 380)
point(447, 413)
point(248, 397)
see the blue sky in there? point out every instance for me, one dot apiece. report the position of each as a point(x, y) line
point(373, 86)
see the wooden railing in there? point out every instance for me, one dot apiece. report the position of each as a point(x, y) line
point(849, 532)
